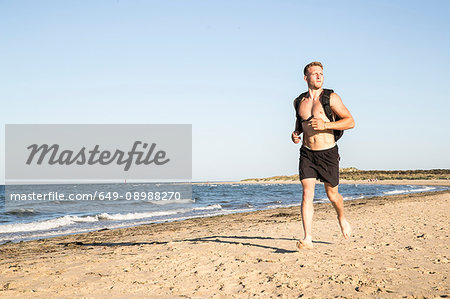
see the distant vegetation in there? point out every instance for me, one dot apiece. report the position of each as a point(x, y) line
point(356, 174)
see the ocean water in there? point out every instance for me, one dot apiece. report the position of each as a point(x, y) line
point(26, 220)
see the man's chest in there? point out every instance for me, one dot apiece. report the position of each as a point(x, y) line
point(310, 108)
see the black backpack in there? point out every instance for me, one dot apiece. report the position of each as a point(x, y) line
point(325, 101)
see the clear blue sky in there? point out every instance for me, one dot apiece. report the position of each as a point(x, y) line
point(232, 70)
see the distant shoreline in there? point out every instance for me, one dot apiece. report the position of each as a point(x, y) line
point(354, 174)
point(343, 181)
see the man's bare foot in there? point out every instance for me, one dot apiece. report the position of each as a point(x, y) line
point(345, 228)
point(305, 244)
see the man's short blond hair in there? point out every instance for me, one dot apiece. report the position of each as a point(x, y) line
point(314, 63)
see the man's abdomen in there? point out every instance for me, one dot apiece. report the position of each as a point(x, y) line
point(318, 141)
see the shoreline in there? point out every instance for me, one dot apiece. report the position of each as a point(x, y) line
point(400, 246)
point(397, 182)
point(348, 182)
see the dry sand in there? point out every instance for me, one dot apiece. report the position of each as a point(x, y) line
point(400, 248)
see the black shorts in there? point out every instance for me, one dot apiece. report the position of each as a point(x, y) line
point(321, 164)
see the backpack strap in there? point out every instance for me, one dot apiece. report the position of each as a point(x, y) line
point(325, 101)
point(298, 120)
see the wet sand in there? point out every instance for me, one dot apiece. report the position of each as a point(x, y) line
point(400, 247)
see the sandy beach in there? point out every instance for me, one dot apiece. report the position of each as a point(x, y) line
point(400, 247)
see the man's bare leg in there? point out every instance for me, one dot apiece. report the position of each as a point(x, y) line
point(307, 213)
point(338, 204)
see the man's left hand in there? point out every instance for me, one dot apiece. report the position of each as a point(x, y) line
point(318, 124)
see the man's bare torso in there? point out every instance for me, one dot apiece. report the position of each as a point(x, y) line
point(315, 140)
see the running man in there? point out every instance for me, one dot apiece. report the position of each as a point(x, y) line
point(319, 157)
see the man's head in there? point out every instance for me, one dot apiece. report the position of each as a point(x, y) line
point(314, 75)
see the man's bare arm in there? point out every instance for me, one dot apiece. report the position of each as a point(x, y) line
point(346, 122)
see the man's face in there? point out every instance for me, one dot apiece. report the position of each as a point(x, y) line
point(314, 78)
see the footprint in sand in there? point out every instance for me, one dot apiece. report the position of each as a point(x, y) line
point(301, 244)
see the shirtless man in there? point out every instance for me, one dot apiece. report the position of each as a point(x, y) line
point(319, 157)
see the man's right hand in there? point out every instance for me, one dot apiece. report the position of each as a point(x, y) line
point(295, 137)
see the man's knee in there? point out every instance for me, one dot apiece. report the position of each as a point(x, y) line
point(308, 194)
point(333, 194)
point(308, 187)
